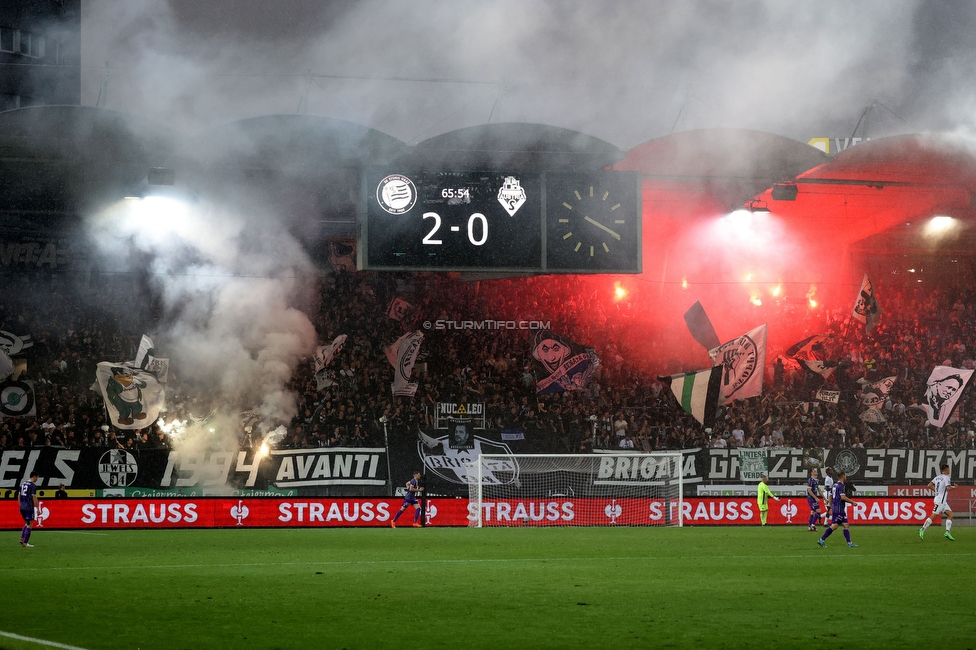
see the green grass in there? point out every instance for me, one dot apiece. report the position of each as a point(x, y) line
point(491, 588)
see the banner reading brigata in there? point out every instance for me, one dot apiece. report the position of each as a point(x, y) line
point(74, 514)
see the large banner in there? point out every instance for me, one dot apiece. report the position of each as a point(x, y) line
point(302, 471)
point(75, 514)
point(445, 465)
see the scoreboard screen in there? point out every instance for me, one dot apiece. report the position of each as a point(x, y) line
point(501, 221)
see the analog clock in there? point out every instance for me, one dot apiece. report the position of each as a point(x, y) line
point(593, 222)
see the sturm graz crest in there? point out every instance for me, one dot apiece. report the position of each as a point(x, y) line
point(453, 465)
point(846, 462)
point(16, 399)
point(118, 468)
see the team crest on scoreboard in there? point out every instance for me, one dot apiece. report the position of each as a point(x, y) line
point(396, 194)
point(511, 195)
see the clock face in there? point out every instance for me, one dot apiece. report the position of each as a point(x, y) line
point(593, 222)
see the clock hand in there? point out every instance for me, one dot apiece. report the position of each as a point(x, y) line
point(601, 227)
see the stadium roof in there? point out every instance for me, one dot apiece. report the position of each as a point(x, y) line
point(297, 142)
point(880, 184)
point(513, 146)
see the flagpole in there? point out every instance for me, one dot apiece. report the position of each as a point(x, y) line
point(389, 473)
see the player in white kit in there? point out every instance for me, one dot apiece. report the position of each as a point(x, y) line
point(828, 484)
point(940, 485)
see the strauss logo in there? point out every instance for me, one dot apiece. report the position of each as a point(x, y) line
point(788, 510)
point(239, 512)
point(612, 511)
point(41, 514)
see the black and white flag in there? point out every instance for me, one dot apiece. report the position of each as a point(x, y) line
point(146, 361)
point(822, 368)
point(6, 365)
point(17, 399)
point(876, 393)
point(402, 355)
point(942, 391)
point(866, 308)
point(324, 354)
point(13, 344)
point(743, 361)
point(829, 396)
point(808, 348)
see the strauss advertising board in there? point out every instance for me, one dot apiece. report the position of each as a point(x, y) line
point(68, 514)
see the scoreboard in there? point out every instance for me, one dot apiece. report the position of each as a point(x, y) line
point(501, 221)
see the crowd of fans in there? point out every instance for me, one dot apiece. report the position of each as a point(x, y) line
point(623, 406)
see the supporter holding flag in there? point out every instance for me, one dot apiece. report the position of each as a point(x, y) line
point(866, 308)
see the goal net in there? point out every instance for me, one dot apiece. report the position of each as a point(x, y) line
point(625, 489)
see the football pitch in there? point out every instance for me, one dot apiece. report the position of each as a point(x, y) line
point(490, 588)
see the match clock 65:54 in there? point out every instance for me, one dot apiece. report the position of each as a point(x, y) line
point(593, 222)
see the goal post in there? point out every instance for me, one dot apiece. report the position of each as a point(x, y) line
point(613, 489)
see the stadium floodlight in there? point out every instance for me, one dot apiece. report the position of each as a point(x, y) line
point(612, 489)
point(939, 225)
point(756, 206)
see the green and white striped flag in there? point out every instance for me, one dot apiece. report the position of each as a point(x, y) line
point(698, 392)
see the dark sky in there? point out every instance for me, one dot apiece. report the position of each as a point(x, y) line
point(622, 71)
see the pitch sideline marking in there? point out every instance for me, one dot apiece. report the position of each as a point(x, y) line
point(30, 639)
point(458, 561)
point(75, 532)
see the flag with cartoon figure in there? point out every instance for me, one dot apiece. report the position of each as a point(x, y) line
point(561, 364)
point(133, 396)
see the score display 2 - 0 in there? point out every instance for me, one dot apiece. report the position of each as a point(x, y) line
point(501, 220)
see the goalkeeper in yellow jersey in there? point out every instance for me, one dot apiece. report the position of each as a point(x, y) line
point(763, 498)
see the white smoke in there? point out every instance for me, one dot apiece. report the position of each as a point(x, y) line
point(229, 279)
point(625, 72)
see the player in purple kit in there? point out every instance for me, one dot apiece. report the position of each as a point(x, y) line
point(838, 506)
point(813, 499)
point(410, 499)
point(28, 507)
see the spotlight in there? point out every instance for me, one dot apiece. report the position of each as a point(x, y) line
point(785, 191)
point(939, 225)
point(756, 206)
point(739, 218)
